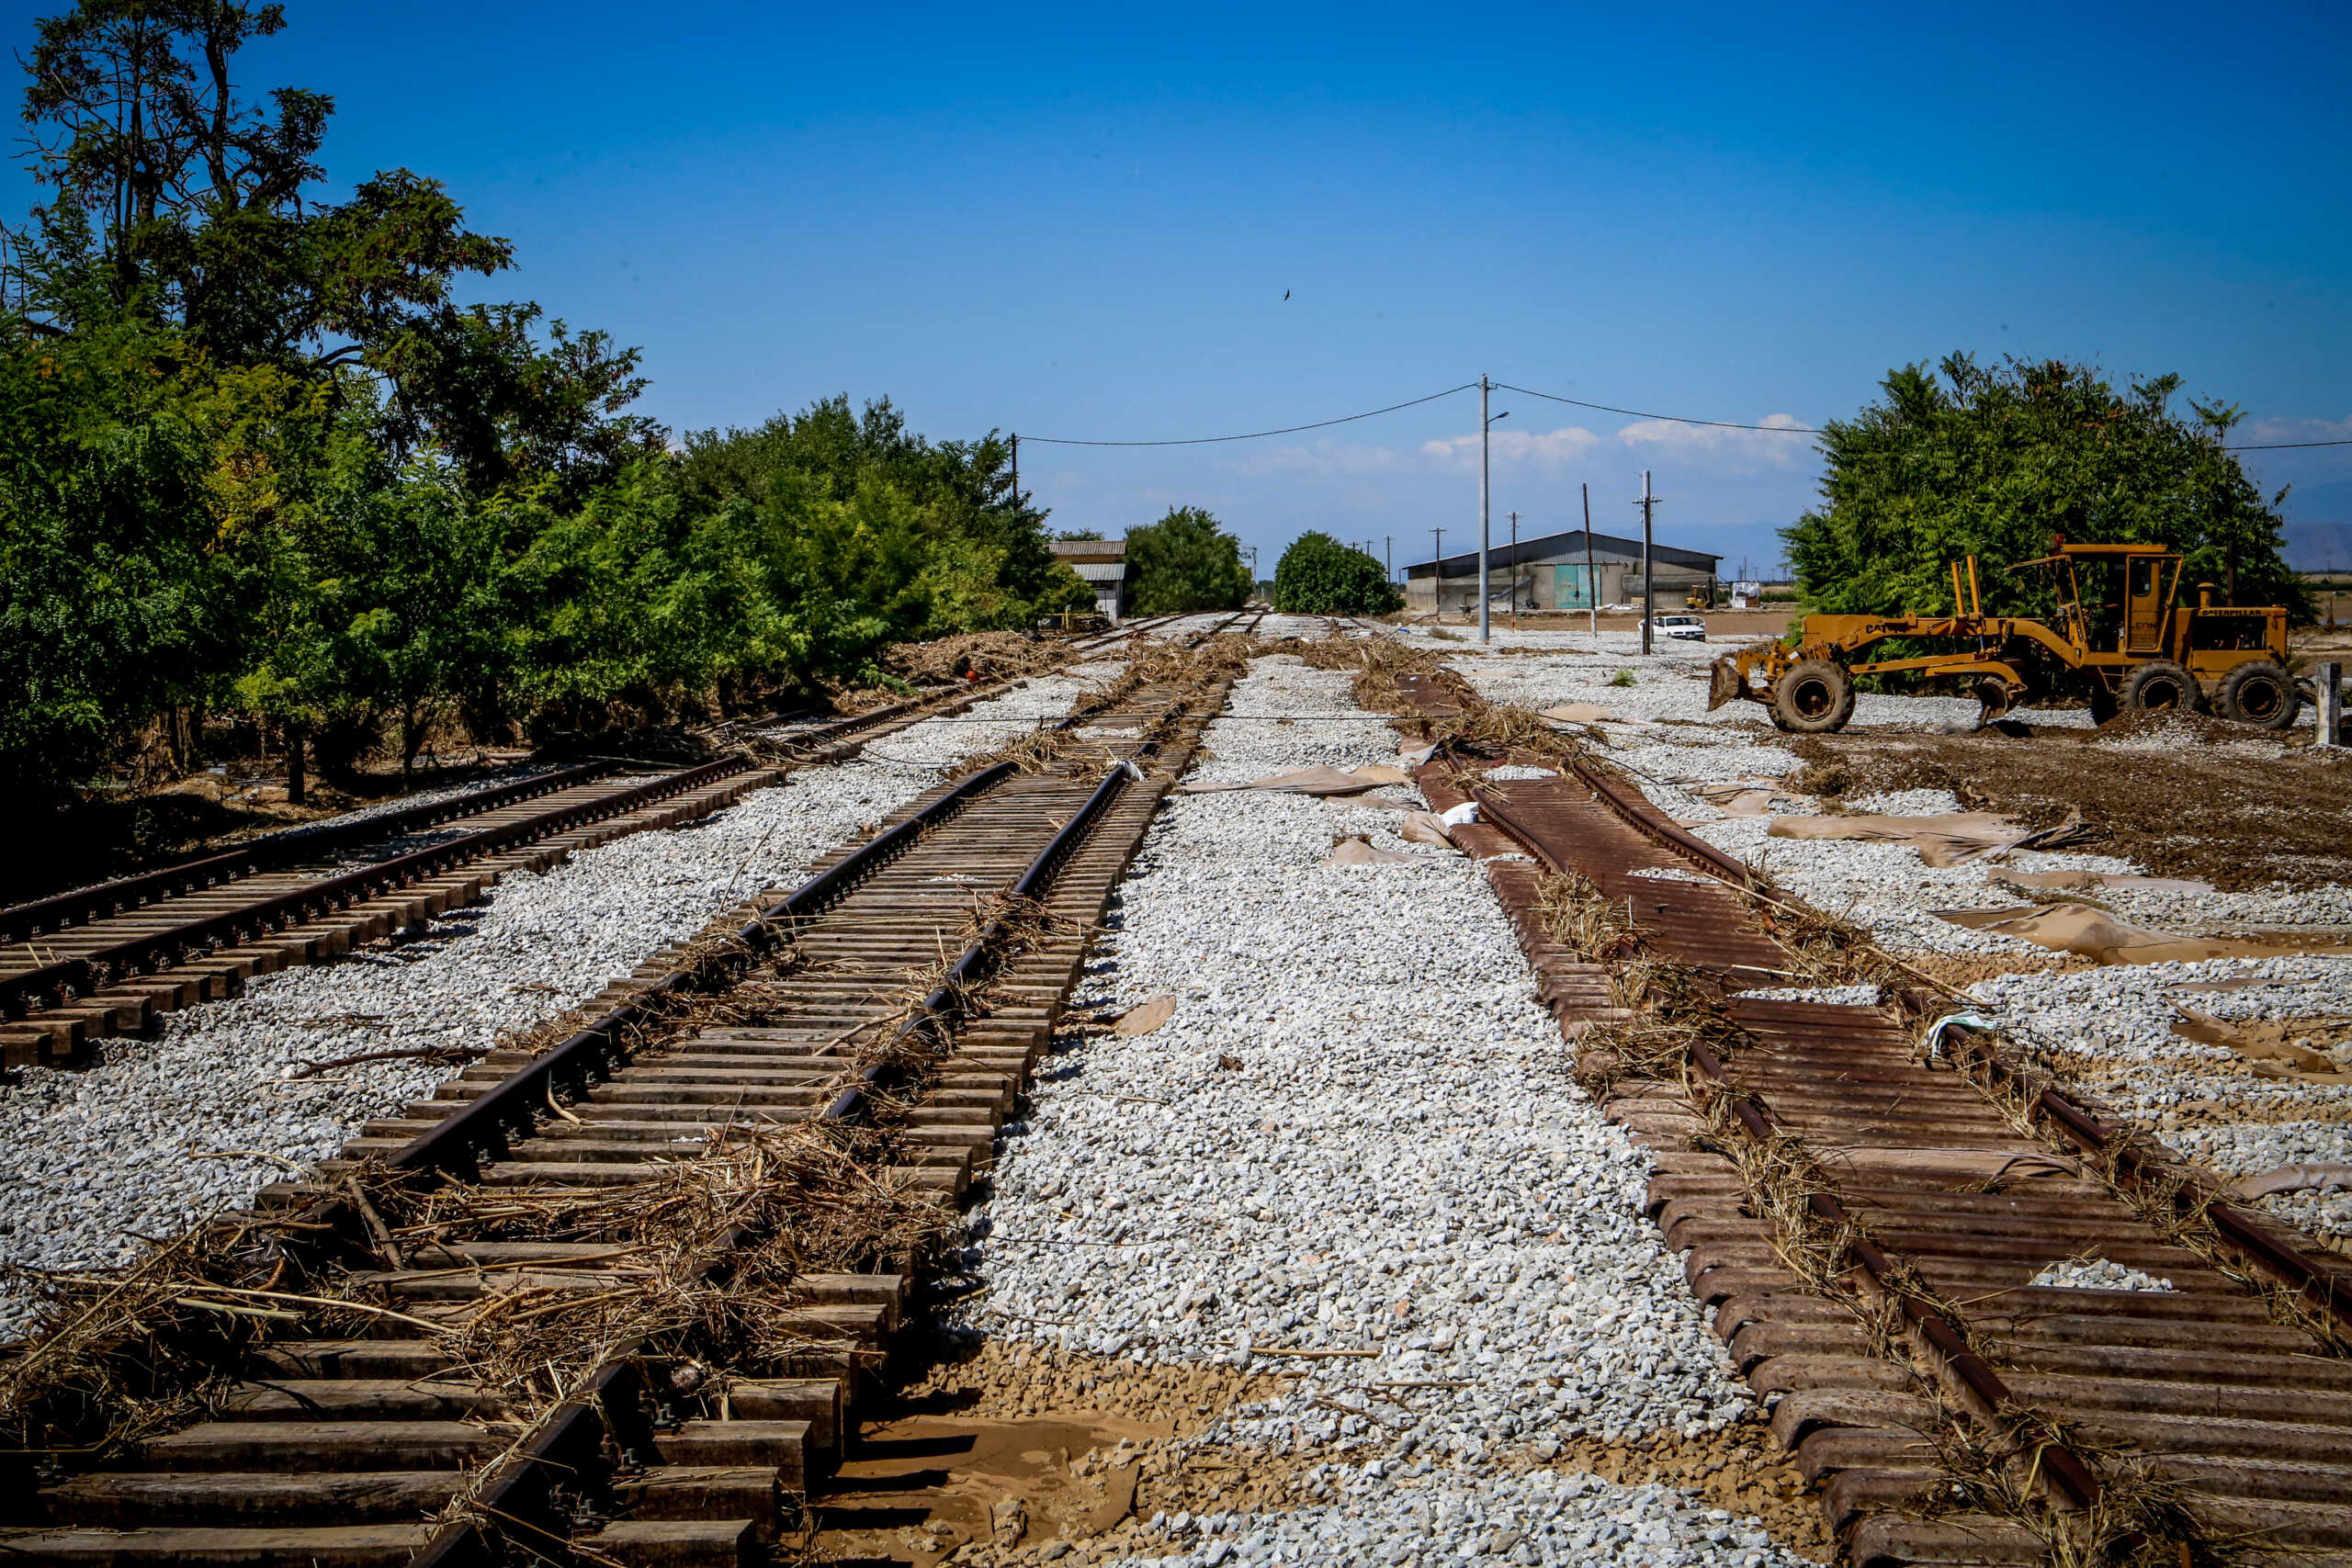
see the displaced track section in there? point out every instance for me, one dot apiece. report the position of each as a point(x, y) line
point(366, 1400)
point(1903, 1245)
point(105, 960)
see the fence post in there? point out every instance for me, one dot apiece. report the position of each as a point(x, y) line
point(2330, 703)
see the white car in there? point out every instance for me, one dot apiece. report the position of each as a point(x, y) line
point(1689, 628)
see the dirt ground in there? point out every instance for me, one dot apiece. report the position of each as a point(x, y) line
point(2181, 795)
point(1005, 1454)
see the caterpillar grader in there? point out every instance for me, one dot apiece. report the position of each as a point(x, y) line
point(2141, 647)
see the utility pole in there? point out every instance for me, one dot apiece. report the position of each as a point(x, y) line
point(1388, 541)
point(1437, 578)
point(1591, 577)
point(1649, 576)
point(1514, 569)
point(1016, 478)
point(1485, 426)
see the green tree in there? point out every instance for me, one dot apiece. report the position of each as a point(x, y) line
point(1997, 461)
point(177, 202)
point(1186, 561)
point(1320, 576)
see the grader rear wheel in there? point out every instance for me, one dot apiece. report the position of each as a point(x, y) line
point(2162, 686)
point(2261, 692)
point(1816, 696)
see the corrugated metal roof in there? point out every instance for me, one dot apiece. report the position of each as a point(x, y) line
point(1100, 570)
point(1568, 547)
point(1108, 549)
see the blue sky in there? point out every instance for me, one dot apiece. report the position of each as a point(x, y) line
point(1081, 222)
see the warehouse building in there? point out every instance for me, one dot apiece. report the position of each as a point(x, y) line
point(1103, 566)
point(1550, 573)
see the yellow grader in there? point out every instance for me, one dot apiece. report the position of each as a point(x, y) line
point(2140, 648)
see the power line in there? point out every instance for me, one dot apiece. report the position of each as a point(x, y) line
point(1257, 435)
point(1552, 396)
point(1662, 418)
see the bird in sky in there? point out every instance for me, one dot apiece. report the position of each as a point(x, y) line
point(1286, 293)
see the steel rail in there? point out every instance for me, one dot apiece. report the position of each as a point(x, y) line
point(572, 1441)
point(81, 907)
point(2196, 1199)
point(84, 973)
point(938, 1014)
point(1935, 1326)
point(454, 1147)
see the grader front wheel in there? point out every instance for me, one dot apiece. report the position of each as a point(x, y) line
point(2162, 686)
point(1816, 696)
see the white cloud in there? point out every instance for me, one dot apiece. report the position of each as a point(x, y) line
point(2278, 430)
point(1330, 458)
point(1552, 450)
point(1718, 446)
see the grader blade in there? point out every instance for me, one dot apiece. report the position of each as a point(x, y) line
point(1724, 683)
point(1994, 698)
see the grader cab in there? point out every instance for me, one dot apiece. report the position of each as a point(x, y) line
point(2133, 644)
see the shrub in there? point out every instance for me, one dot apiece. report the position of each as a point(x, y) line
point(1320, 575)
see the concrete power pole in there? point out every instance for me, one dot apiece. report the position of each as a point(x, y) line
point(1649, 576)
point(1591, 577)
point(1485, 426)
point(1388, 542)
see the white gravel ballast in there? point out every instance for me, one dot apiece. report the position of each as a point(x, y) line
point(150, 1136)
point(1358, 1133)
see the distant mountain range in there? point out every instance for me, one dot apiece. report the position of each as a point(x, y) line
point(2319, 547)
point(2311, 546)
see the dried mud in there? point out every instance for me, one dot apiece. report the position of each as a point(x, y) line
point(1017, 1454)
point(2179, 795)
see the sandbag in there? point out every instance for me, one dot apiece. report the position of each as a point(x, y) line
point(1308, 781)
point(2097, 935)
point(1359, 852)
point(1147, 1015)
point(1743, 798)
point(1425, 827)
point(2092, 881)
point(2324, 1177)
point(1946, 839)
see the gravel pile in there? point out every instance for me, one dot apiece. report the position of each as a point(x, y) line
point(139, 1142)
point(1380, 1514)
point(1831, 996)
point(1358, 1132)
point(2097, 1274)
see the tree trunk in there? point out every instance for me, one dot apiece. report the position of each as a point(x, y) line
point(297, 781)
point(411, 737)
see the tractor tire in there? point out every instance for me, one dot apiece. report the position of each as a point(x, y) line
point(2162, 686)
point(2261, 692)
point(1816, 696)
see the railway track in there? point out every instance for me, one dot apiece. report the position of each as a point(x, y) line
point(1873, 1219)
point(108, 960)
point(336, 1408)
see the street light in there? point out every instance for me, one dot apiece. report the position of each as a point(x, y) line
point(1486, 425)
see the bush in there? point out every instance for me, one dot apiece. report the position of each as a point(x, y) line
point(1995, 461)
point(1184, 562)
point(1320, 575)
